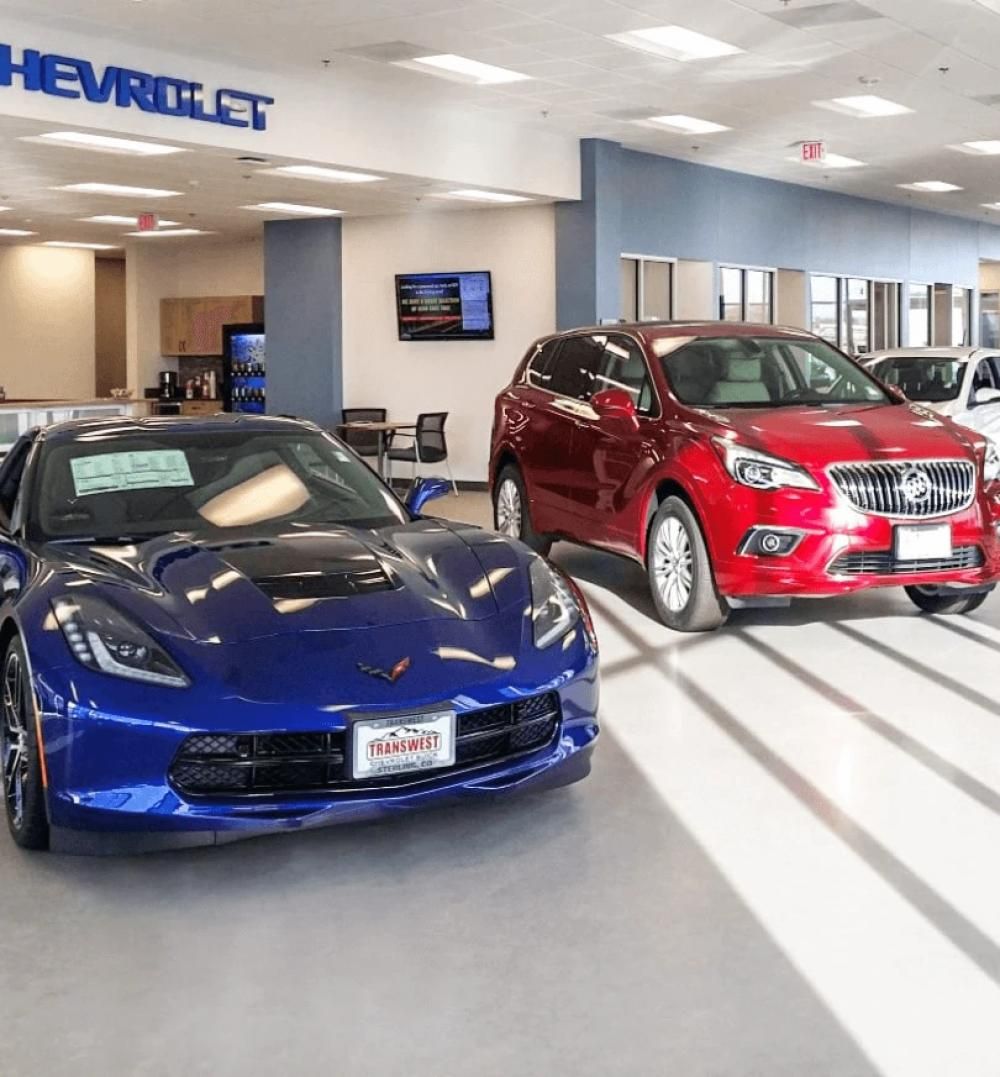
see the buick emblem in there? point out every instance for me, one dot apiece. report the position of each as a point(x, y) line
point(915, 486)
point(390, 675)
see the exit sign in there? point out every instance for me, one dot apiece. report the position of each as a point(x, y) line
point(148, 222)
point(813, 152)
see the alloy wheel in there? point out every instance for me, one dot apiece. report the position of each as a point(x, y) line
point(673, 564)
point(14, 738)
point(509, 511)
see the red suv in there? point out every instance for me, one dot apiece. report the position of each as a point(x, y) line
point(742, 462)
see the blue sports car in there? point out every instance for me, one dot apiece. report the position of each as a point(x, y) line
point(222, 628)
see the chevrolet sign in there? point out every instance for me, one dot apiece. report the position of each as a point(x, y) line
point(64, 76)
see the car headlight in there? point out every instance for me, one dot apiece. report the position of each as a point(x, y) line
point(760, 470)
point(554, 608)
point(105, 640)
point(991, 462)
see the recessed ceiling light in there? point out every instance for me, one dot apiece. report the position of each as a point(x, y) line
point(171, 232)
point(295, 210)
point(16, 232)
point(676, 42)
point(471, 195)
point(929, 186)
point(866, 106)
point(127, 222)
point(687, 125)
point(105, 143)
point(79, 246)
point(984, 148)
point(117, 189)
point(462, 69)
point(831, 160)
point(328, 175)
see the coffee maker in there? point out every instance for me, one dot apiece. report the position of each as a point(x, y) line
point(168, 385)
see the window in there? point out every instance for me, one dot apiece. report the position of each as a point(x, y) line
point(624, 367)
point(825, 308)
point(746, 295)
point(856, 339)
point(647, 289)
point(919, 317)
point(539, 371)
point(841, 311)
point(574, 372)
point(925, 379)
point(961, 317)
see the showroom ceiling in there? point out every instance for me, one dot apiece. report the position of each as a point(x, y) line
point(938, 58)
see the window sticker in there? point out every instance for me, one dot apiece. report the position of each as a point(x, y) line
point(113, 472)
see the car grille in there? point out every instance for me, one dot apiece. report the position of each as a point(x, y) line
point(907, 490)
point(882, 563)
point(231, 764)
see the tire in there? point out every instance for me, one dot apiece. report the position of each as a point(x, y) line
point(680, 571)
point(511, 514)
point(950, 603)
point(23, 790)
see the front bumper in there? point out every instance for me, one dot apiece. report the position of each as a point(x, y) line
point(840, 549)
point(108, 765)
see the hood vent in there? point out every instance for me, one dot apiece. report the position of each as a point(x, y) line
point(815, 15)
point(316, 585)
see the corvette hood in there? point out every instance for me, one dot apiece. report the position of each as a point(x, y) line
point(301, 580)
point(822, 436)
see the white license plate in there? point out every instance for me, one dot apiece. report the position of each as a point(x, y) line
point(403, 744)
point(928, 543)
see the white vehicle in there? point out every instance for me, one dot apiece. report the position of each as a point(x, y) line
point(962, 383)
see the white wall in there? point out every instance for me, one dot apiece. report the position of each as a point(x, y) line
point(461, 377)
point(46, 323)
point(166, 268)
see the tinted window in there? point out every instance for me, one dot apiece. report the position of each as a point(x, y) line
point(539, 371)
point(574, 372)
point(766, 372)
point(925, 378)
point(11, 473)
point(623, 367)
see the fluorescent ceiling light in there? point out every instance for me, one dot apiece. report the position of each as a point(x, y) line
point(930, 186)
point(106, 144)
point(832, 160)
point(984, 148)
point(294, 210)
point(117, 189)
point(471, 195)
point(866, 106)
point(128, 222)
point(4, 209)
point(462, 69)
point(676, 42)
point(79, 246)
point(172, 232)
point(329, 175)
point(986, 205)
point(16, 232)
point(687, 125)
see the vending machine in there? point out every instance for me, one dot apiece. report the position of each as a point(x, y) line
point(244, 369)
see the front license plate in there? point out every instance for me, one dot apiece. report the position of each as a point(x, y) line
point(403, 744)
point(928, 543)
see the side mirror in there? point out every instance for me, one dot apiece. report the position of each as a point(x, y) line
point(986, 396)
point(897, 394)
point(614, 404)
point(424, 490)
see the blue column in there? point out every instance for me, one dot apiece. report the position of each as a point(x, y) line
point(303, 278)
point(588, 240)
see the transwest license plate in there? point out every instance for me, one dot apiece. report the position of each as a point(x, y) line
point(930, 542)
point(403, 744)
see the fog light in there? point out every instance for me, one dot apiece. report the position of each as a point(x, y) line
point(769, 542)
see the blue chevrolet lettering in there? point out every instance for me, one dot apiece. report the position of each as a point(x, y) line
point(65, 76)
point(220, 628)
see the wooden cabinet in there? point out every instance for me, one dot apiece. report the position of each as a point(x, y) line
point(200, 407)
point(194, 326)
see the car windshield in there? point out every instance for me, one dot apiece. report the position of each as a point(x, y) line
point(931, 379)
point(766, 372)
point(126, 487)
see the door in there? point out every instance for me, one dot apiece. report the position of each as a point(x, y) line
point(613, 454)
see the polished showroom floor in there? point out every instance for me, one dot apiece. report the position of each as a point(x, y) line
point(785, 863)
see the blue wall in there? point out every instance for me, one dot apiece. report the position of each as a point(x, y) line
point(303, 274)
point(640, 203)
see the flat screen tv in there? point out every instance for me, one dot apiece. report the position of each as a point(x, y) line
point(445, 306)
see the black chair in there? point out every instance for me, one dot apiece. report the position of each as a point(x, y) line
point(429, 445)
point(363, 442)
